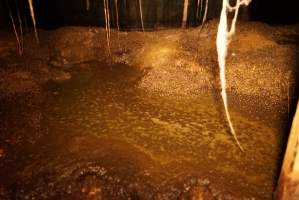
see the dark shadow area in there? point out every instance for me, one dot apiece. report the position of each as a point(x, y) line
point(156, 13)
point(275, 12)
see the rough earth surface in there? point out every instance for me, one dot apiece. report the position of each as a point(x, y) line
point(145, 122)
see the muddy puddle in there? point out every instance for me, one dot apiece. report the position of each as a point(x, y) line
point(107, 138)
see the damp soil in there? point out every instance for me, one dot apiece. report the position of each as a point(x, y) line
point(108, 138)
point(148, 124)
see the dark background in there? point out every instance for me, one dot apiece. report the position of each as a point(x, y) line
point(156, 13)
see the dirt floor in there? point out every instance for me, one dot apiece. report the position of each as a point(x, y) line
point(145, 122)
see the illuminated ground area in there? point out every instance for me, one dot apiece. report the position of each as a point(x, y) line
point(148, 126)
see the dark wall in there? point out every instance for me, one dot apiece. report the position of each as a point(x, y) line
point(3, 14)
point(14, 6)
point(275, 11)
point(156, 13)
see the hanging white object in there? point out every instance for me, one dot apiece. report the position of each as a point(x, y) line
point(222, 42)
point(205, 14)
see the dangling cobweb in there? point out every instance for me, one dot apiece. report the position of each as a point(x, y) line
point(19, 40)
point(33, 19)
point(205, 13)
point(107, 24)
point(141, 15)
point(223, 39)
point(185, 13)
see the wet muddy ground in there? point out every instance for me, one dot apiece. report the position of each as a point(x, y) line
point(147, 125)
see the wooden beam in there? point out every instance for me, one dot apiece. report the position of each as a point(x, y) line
point(288, 185)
